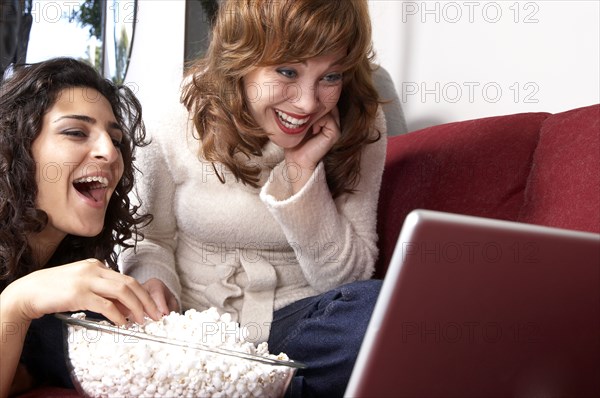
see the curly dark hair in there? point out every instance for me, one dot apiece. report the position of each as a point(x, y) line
point(25, 96)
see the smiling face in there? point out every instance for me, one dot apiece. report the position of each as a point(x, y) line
point(78, 162)
point(286, 100)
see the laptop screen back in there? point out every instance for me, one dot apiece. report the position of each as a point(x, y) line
point(473, 307)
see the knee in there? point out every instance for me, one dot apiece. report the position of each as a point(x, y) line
point(366, 292)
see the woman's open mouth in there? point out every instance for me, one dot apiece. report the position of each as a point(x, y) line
point(93, 187)
point(290, 124)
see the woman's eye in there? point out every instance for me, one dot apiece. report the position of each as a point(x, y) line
point(117, 143)
point(289, 73)
point(74, 133)
point(333, 77)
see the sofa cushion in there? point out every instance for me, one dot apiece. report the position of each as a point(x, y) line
point(476, 167)
point(564, 185)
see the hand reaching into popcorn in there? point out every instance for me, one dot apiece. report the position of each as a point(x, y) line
point(83, 285)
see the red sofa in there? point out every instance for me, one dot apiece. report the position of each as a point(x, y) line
point(537, 168)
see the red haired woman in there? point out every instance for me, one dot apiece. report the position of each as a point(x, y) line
point(264, 189)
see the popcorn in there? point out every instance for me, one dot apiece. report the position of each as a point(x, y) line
point(122, 362)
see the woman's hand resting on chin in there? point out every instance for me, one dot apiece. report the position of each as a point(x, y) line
point(306, 155)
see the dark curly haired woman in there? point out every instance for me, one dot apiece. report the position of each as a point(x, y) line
point(67, 138)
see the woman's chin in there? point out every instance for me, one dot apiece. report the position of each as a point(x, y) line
point(88, 230)
point(287, 141)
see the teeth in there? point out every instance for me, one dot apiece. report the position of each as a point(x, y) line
point(102, 180)
point(289, 121)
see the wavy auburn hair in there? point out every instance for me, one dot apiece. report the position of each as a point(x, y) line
point(255, 33)
point(25, 97)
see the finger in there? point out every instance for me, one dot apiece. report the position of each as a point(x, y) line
point(128, 292)
point(318, 127)
point(117, 291)
point(173, 304)
point(329, 124)
point(123, 310)
point(336, 114)
point(160, 300)
point(150, 306)
point(106, 307)
point(164, 294)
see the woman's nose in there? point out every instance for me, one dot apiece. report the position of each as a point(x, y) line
point(304, 98)
point(104, 149)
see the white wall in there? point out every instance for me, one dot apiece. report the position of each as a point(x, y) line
point(450, 60)
point(457, 60)
point(156, 66)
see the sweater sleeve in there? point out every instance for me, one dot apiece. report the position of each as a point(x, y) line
point(154, 256)
point(335, 241)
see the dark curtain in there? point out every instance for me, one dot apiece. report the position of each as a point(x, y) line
point(15, 25)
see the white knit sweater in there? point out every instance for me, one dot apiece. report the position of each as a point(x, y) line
point(243, 250)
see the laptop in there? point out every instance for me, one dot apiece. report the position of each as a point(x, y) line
point(475, 307)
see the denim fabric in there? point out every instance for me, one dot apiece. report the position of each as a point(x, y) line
point(325, 332)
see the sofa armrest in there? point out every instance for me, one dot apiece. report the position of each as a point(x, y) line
point(563, 189)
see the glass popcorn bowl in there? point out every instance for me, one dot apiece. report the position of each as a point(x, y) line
point(109, 361)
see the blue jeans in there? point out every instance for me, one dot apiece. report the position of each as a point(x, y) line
point(324, 332)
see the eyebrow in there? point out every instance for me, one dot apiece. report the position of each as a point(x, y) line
point(335, 63)
point(87, 119)
point(339, 61)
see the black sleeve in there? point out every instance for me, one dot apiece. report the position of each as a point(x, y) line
point(43, 354)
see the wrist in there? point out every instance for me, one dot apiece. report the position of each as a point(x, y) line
point(12, 307)
point(300, 166)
